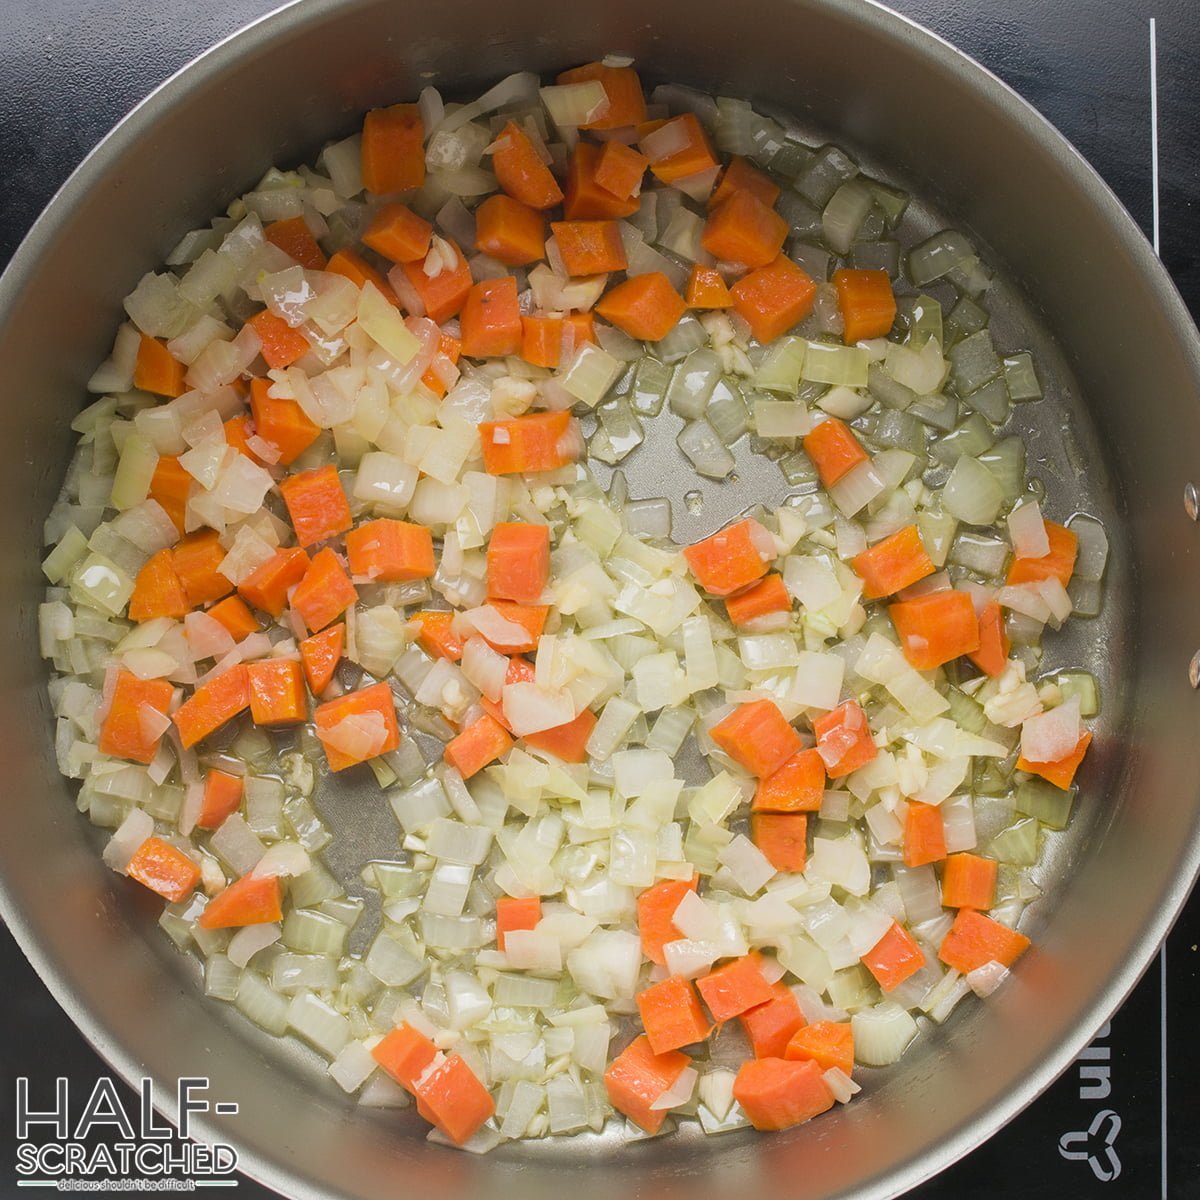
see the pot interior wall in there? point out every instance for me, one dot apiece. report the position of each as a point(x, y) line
point(1126, 379)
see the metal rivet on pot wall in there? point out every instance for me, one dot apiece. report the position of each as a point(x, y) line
point(1191, 500)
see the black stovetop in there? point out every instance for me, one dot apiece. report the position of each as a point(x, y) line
point(1118, 78)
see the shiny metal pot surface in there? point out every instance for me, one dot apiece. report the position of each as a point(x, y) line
point(1118, 436)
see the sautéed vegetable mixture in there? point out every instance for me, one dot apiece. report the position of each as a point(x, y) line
point(691, 831)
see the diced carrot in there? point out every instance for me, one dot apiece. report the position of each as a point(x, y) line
point(283, 423)
point(693, 157)
point(1061, 773)
point(538, 442)
point(481, 743)
point(828, 1043)
point(157, 590)
point(706, 289)
point(296, 240)
point(671, 1015)
point(867, 304)
point(238, 431)
point(491, 319)
point(569, 741)
point(437, 636)
point(169, 486)
point(936, 628)
point(399, 234)
point(360, 708)
point(320, 655)
point(277, 695)
point(777, 1093)
point(626, 103)
point(924, 835)
point(267, 586)
point(390, 551)
point(644, 306)
point(735, 988)
point(893, 564)
point(589, 247)
point(251, 900)
point(325, 592)
point(992, 656)
point(212, 704)
point(974, 940)
point(521, 172)
point(196, 560)
point(449, 347)
point(584, 199)
point(222, 797)
point(352, 266)
point(969, 881)
point(316, 504)
point(405, 1054)
point(767, 596)
point(518, 561)
point(655, 908)
point(782, 839)
point(452, 1098)
point(443, 294)
point(163, 869)
point(844, 739)
point(581, 327)
point(620, 169)
point(637, 1077)
point(1058, 564)
point(834, 450)
point(773, 298)
point(281, 344)
point(742, 229)
point(512, 232)
point(769, 1027)
point(894, 958)
point(798, 786)
point(758, 737)
point(393, 149)
point(742, 176)
point(156, 370)
point(237, 618)
point(730, 559)
point(530, 617)
point(124, 732)
point(541, 339)
point(516, 912)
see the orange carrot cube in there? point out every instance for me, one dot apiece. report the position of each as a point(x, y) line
point(277, 695)
point(782, 837)
point(399, 234)
point(325, 592)
point(844, 739)
point(894, 958)
point(539, 442)
point(637, 1077)
point(735, 988)
point(320, 655)
point(358, 726)
point(516, 913)
point(316, 504)
point(758, 737)
point(969, 881)
point(212, 704)
point(773, 298)
point(730, 559)
point(222, 797)
point(251, 900)
point(671, 1015)
point(389, 551)
point(125, 731)
point(163, 869)
point(798, 786)
point(975, 940)
point(518, 561)
point(267, 586)
point(512, 232)
point(769, 1027)
point(393, 149)
point(480, 743)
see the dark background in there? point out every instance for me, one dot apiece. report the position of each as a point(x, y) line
point(70, 69)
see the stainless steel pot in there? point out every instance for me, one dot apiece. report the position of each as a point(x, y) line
point(941, 126)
